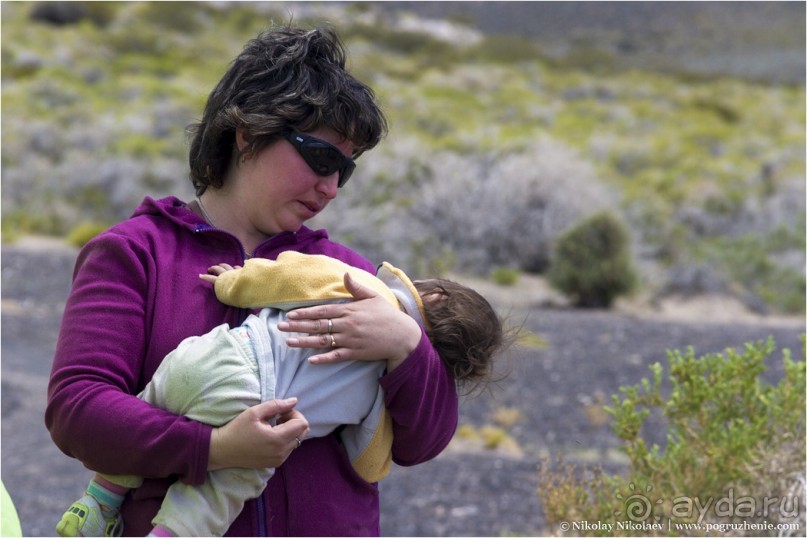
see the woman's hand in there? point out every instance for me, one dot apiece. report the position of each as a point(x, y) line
point(368, 328)
point(251, 442)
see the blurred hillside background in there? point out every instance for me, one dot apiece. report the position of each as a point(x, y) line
point(510, 123)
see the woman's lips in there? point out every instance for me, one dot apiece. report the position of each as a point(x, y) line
point(312, 207)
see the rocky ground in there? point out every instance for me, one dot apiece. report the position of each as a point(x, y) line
point(556, 389)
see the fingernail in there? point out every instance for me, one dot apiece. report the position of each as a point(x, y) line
point(292, 315)
point(292, 341)
point(283, 325)
point(292, 400)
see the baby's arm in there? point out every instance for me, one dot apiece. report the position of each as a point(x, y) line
point(263, 283)
point(258, 284)
point(216, 271)
point(292, 281)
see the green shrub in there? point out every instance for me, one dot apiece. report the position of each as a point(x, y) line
point(728, 434)
point(592, 263)
point(531, 340)
point(718, 412)
point(505, 276)
point(750, 261)
point(504, 49)
point(82, 233)
point(17, 223)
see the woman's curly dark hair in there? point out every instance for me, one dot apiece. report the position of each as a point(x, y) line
point(286, 79)
point(464, 329)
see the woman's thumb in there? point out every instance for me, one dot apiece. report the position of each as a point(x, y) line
point(272, 408)
point(357, 290)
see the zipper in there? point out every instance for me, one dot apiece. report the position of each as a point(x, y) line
point(206, 228)
point(260, 515)
point(276, 241)
point(260, 524)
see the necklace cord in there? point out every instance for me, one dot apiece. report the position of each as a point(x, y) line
point(206, 216)
point(204, 212)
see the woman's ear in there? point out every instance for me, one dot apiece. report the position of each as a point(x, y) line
point(241, 140)
point(243, 145)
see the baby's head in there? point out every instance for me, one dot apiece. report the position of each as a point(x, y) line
point(465, 330)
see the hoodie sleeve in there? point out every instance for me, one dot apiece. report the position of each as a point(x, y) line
point(422, 400)
point(100, 363)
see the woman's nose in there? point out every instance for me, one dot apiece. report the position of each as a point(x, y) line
point(329, 185)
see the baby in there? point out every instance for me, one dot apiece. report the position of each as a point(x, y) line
point(213, 377)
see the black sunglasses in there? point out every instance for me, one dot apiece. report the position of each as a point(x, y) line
point(323, 158)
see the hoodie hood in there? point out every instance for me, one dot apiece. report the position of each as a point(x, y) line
point(405, 291)
point(178, 212)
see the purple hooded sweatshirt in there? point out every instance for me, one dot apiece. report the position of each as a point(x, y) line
point(136, 294)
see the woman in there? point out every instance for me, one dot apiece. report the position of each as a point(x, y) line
point(276, 141)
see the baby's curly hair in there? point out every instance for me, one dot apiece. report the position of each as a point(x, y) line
point(465, 330)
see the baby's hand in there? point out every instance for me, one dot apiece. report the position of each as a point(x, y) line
point(216, 271)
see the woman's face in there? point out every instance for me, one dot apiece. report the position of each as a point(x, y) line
point(281, 191)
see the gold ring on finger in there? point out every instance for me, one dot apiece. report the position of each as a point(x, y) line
point(330, 326)
point(333, 341)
